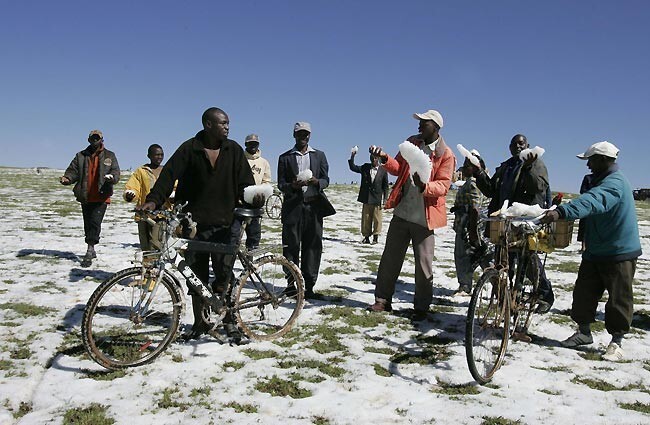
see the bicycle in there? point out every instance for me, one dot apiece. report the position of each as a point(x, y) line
point(505, 297)
point(133, 317)
point(273, 205)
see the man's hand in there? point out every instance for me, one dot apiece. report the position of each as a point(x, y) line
point(64, 180)
point(129, 195)
point(529, 160)
point(258, 201)
point(313, 181)
point(147, 206)
point(550, 217)
point(298, 184)
point(377, 151)
point(418, 182)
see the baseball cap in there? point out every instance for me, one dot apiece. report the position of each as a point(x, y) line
point(432, 115)
point(301, 125)
point(600, 148)
point(96, 132)
point(252, 138)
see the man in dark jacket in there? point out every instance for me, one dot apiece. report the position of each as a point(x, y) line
point(304, 204)
point(526, 182)
point(372, 194)
point(212, 172)
point(93, 171)
point(612, 246)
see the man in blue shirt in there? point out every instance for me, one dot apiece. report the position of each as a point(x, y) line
point(612, 246)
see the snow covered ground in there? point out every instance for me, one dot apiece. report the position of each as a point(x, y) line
point(340, 365)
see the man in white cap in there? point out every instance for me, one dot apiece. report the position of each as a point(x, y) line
point(304, 205)
point(93, 171)
point(612, 246)
point(420, 207)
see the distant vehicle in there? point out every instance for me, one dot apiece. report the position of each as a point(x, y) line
point(641, 194)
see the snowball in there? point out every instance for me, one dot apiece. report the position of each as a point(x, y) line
point(469, 155)
point(354, 149)
point(536, 151)
point(250, 191)
point(417, 160)
point(304, 176)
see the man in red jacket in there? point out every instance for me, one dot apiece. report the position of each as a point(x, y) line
point(420, 207)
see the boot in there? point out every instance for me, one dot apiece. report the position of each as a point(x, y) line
point(200, 326)
point(375, 239)
point(366, 239)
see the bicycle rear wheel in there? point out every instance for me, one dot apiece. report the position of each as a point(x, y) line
point(526, 284)
point(274, 206)
point(116, 330)
point(486, 331)
point(268, 298)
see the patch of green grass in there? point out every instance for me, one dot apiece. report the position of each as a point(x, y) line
point(20, 353)
point(200, 391)
point(554, 368)
point(169, 399)
point(451, 274)
point(314, 379)
point(560, 319)
point(600, 385)
point(455, 389)
point(379, 350)
point(637, 406)
point(442, 309)
point(549, 392)
point(320, 420)
point(27, 310)
point(565, 267)
point(425, 357)
point(260, 354)
point(106, 375)
point(9, 281)
point(94, 414)
point(336, 295)
point(6, 365)
point(381, 371)
point(434, 339)
point(234, 365)
point(355, 317)
point(23, 409)
point(71, 344)
point(239, 408)
point(499, 420)
point(49, 288)
point(282, 388)
point(177, 358)
point(593, 355)
point(323, 367)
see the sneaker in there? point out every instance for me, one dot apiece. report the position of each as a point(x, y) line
point(463, 292)
point(576, 340)
point(419, 316)
point(614, 352)
point(87, 261)
point(379, 306)
point(543, 307)
point(233, 332)
point(311, 295)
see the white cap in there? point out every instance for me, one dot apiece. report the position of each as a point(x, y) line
point(301, 125)
point(432, 115)
point(600, 148)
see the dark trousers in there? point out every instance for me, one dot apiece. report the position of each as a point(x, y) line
point(253, 232)
point(93, 214)
point(594, 277)
point(544, 287)
point(303, 243)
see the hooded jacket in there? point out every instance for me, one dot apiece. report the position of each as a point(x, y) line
point(77, 173)
point(443, 164)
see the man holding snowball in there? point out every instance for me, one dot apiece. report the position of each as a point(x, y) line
point(302, 177)
point(419, 208)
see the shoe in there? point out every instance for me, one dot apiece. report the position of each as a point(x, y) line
point(576, 340)
point(543, 307)
point(614, 352)
point(90, 252)
point(375, 240)
point(196, 331)
point(233, 332)
point(87, 261)
point(419, 316)
point(463, 292)
point(379, 306)
point(366, 240)
point(311, 295)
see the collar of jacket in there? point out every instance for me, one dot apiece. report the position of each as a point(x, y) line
point(198, 144)
point(600, 176)
point(89, 151)
point(440, 146)
point(256, 155)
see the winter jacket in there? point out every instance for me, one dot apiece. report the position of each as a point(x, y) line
point(77, 173)
point(211, 192)
point(609, 214)
point(443, 164)
point(141, 182)
point(259, 166)
point(529, 186)
point(371, 192)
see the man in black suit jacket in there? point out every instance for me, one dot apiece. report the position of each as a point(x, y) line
point(372, 194)
point(304, 204)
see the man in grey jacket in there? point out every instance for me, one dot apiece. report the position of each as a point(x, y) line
point(93, 171)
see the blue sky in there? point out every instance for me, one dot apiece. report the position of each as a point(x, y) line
point(565, 73)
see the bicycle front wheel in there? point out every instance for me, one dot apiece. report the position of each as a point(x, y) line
point(126, 323)
point(487, 326)
point(268, 297)
point(274, 206)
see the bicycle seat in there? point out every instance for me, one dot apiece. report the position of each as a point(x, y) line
point(248, 212)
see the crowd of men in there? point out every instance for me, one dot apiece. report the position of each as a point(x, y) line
point(210, 171)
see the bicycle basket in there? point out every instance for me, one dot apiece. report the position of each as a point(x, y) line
point(497, 230)
point(561, 232)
